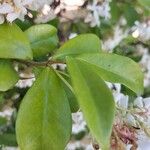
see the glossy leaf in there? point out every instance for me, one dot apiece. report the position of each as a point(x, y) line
point(14, 43)
point(37, 70)
point(94, 98)
point(8, 76)
point(84, 43)
point(44, 119)
point(74, 106)
point(43, 39)
point(116, 68)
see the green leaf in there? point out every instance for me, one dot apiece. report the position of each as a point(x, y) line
point(145, 3)
point(84, 43)
point(24, 25)
point(44, 118)
point(8, 76)
point(8, 139)
point(74, 106)
point(94, 98)
point(116, 68)
point(37, 70)
point(131, 14)
point(14, 43)
point(43, 39)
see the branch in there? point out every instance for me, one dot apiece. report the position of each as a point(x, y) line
point(35, 63)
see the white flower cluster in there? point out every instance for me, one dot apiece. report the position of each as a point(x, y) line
point(13, 9)
point(142, 31)
point(39, 4)
point(62, 7)
point(97, 10)
point(136, 114)
point(10, 10)
point(71, 10)
point(69, 5)
point(139, 115)
point(118, 35)
point(78, 123)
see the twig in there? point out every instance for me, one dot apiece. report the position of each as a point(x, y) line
point(35, 63)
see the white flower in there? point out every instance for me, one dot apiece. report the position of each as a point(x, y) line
point(38, 4)
point(41, 18)
point(7, 113)
point(73, 2)
point(17, 9)
point(46, 9)
point(78, 122)
point(119, 34)
point(143, 141)
point(72, 35)
point(14, 9)
point(131, 120)
point(97, 11)
point(6, 8)
point(143, 30)
point(138, 102)
point(146, 102)
point(128, 147)
point(2, 19)
point(123, 101)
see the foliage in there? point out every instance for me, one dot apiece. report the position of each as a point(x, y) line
point(44, 117)
point(62, 75)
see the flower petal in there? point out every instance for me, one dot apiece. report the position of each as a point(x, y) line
point(5, 8)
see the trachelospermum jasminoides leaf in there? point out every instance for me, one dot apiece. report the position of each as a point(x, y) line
point(74, 106)
point(117, 69)
point(44, 118)
point(43, 39)
point(8, 75)
point(95, 100)
point(14, 43)
point(84, 43)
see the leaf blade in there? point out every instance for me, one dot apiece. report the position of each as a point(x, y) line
point(43, 39)
point(14, 43)
point(94, 98)
point(74, 106)
point(49, 110)
point(116, 68)
point(8, 76)
point(84, 43)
